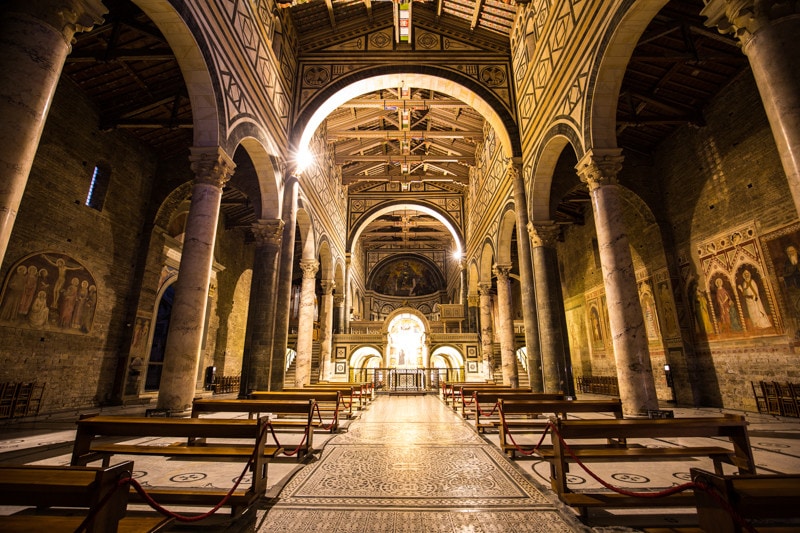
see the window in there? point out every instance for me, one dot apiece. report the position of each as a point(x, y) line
point(98, 186)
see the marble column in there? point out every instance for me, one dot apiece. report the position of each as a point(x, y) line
point(528, 293)
point(508, 359)
point(464, 327)
point(599, 170)
point(283, 294)
point(554, 341)
point(487, 330)
point(305, 322)
point(35, 39)
point(326, 330)
point(338, 302)
point(767, 31)
point(212, 169)
point(261, 311)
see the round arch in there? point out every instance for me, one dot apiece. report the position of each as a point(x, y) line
point(542, 175)
point(450, 354)
point(487, 261)
point(437, 79)
point(630, 21)
point(269, 178)
point(508, 223)
point(365, 357)
point(305, 230)
point(325, 259)
point(389, 207)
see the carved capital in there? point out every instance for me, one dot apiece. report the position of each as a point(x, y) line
point(502, 271)
point(327, 286)
point(309, 268)
point(600, 167)
point(544, 234)
point(211, 166)
point(268, 232)
point(743, 18)
point(484, 288)
point(68, 17)
point(473, 300)
point(338, 300)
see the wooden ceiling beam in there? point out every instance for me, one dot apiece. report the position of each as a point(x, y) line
point(340, 134)
point(463, 159)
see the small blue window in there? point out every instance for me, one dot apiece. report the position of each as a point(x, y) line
point(98, 186)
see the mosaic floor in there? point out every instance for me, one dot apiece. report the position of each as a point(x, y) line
point(409, 464)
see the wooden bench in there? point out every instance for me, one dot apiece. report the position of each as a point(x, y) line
point(454, 392)
point(285, 416)
point(525, 416)
point(582, 437)
point(331, 404)
point(71, 488)
point(483, 405)
point(98, 438)
point(354, 397)
point(767, 502)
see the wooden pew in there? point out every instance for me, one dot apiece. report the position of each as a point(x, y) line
point(100, 437)
point(483, 405)
point(70, 488)
point(353, 396)
point(582, 437)
point(454, 392)
point(285, 416)
point(524, 416)
point(331, 404)
point(762, 500)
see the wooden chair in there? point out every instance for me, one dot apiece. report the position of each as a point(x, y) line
point(761, 403)
point(771, 398)
point(7, 399)
point(787, 401)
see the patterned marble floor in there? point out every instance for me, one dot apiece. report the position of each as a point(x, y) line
point(409, 464)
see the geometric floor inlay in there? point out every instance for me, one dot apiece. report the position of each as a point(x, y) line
point(433, 476)
point(398, 434)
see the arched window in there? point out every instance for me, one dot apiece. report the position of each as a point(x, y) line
point(98, 187)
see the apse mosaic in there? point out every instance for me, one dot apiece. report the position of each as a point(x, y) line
point(49, 291)
point(406, 277)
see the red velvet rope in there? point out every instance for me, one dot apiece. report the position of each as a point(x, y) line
point(659, 494)
point(299, 446)
point(164, 511)
point(330, 426)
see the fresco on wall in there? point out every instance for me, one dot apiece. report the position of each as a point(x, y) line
point(49, 291)
point(406, 277)
point(596, 332)
point(649, 312)
point(731, 297)
point(782, 248)
point(666, 304)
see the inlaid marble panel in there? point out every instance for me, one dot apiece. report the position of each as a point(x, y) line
point(393, 434)
point(430, 476)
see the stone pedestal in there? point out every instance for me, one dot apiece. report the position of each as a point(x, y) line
point(528, 294)
point(556, 362)
point(767, 31)
point(261, 311)
point(598, 169)
point(487, 330)
point(36, 37)
point(179, 379)
point(326, 330)
point(508, 359)
point(283, 294)
point(305, 328)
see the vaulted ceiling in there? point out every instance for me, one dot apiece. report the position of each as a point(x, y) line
point(126, 67)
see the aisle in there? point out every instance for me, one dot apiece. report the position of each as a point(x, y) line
point(409, 464)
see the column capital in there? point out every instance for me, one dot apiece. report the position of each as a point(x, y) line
point(268, 232)
point(338, 300)
point(68, 17)
point(743, 18)
point(514, 166)
point(544, 234)
point(502, 271)
point(309, 268)
point(484, 287)
point(473, 300)
point(211, 165)
point(600, 167)
point(327, 286)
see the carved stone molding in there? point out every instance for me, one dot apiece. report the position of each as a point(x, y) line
point(328, 286)
point(600, 167)
point(68, 17)
point(268, 232)
point(484, 288)
point(743, 18)
point(502, 271)
point(211, 166)
point(544, 234)
point(309, 268)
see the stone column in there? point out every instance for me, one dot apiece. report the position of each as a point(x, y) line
point(212, 168)
point(508, 359)
point(305, 328)
point(556, 363)
point(464, 328)
point(326, 330)
point(338, 302)
point(283, 295)
point(487, 331)
point(599, 169)
point(767, 31)
point(35, 37)
point(529, 317)
point(261, 311)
